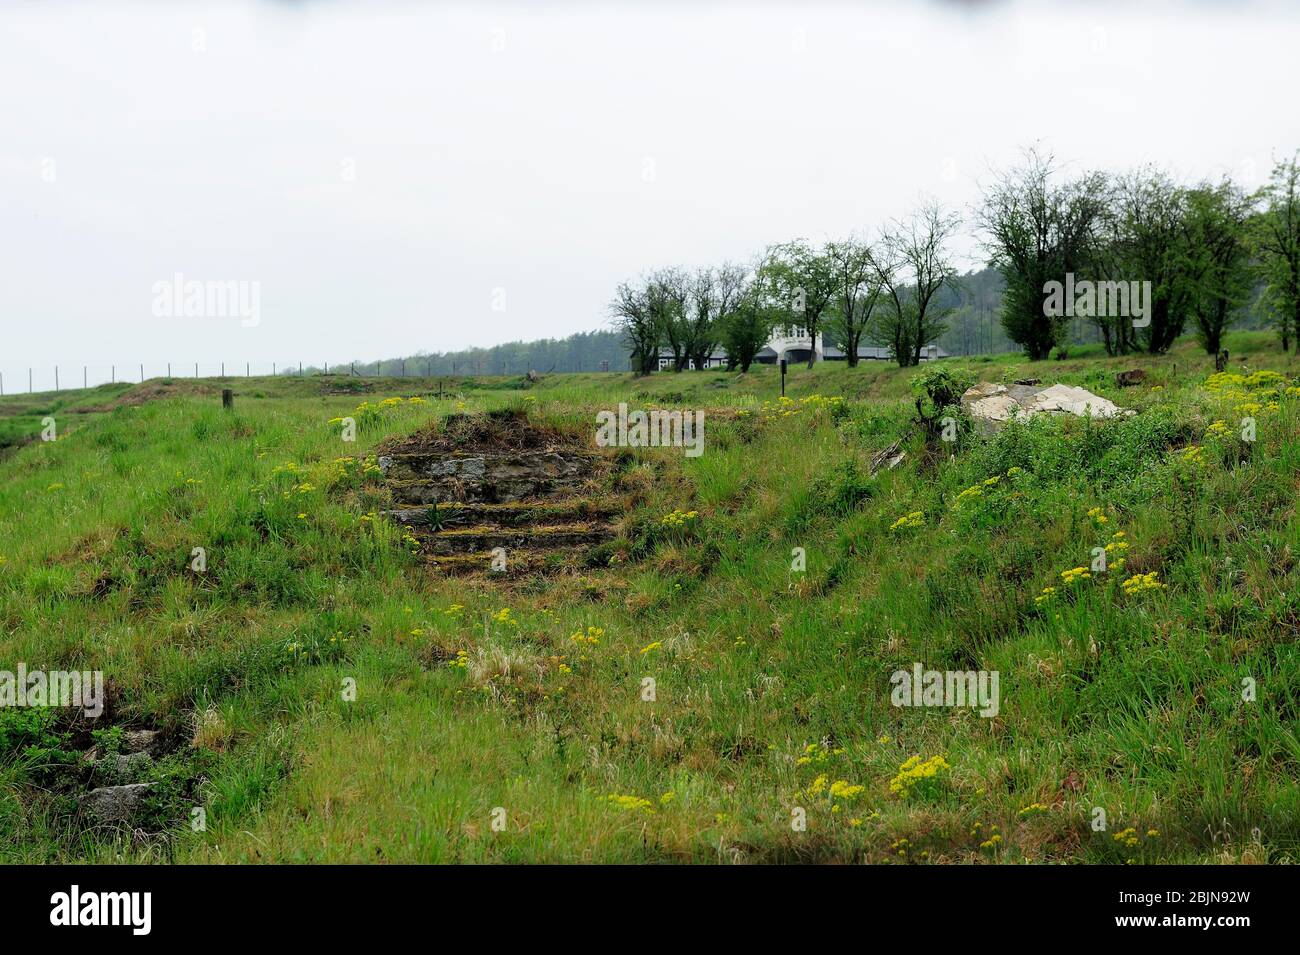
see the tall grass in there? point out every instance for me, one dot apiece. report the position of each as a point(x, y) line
point(481, 736)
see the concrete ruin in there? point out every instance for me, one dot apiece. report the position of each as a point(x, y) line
point(991, 405)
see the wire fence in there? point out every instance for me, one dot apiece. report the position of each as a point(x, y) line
point(34, 379)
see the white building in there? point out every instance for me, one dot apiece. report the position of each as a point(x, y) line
point(794, 344)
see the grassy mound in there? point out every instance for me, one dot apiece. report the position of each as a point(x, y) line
point(717, 687)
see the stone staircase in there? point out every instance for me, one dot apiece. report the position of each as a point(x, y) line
point(541, 504)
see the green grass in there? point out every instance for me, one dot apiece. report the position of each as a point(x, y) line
point(1128, 702)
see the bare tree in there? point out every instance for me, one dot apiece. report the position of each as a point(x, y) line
point(912, 269)
point(1036, 230)
point(667, 296)
point(714, 293)
point(633, 317)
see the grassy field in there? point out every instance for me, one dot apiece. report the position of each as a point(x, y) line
point(482, 731)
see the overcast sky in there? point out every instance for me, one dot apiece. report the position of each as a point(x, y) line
point(429, 176)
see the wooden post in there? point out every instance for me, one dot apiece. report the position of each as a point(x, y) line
point(782, 377)
point(228, 399)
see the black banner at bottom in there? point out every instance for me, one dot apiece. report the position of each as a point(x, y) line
point(143, 905)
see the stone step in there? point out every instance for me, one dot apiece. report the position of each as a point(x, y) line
point(512, 514)
point(493, 491)
point(483, 539)
point(519, 562)
point(519, 488)
point(485, 466)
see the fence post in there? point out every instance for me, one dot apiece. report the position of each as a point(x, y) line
point(84, 377)
point(56, 377)
point(141, 372)
point(169, 369)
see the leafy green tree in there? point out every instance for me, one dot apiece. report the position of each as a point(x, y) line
point(748, 326)
point(806, 283)
point(1148, 236)
point(668, 294)
point(1216, 258)
point(858, 282)
point(1275, 239)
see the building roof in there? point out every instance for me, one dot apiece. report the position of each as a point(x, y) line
point(829, 351)
point(878, 353)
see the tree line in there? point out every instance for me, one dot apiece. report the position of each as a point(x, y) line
point(1211, 252)
point(600, 350)
point(882, 290)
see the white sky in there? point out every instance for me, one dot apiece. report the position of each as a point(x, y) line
point(546, 150)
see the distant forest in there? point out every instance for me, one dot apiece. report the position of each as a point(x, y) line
point(973, 308)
